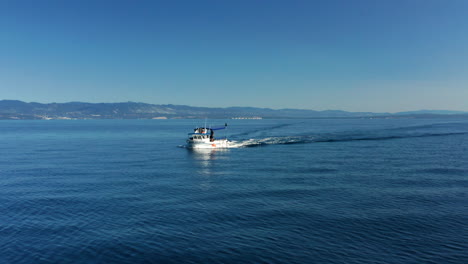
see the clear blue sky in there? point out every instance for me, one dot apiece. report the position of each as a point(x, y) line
point(373, 55)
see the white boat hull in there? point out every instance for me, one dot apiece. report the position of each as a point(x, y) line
point(219, 143)
point(203, 138)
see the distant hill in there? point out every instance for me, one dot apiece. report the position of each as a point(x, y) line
point(13, 109)
point(432, 112)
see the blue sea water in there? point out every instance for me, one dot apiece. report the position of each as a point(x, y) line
point(291, 191)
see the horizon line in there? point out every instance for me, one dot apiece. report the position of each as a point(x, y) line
point(269, 108)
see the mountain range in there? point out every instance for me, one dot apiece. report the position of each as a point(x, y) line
point(14, 109)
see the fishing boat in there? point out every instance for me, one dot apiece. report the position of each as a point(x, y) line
point(203, 137)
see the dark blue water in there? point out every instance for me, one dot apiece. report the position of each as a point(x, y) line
point(293, 191)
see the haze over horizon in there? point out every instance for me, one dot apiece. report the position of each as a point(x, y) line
point(364, 55)
point(234, 106)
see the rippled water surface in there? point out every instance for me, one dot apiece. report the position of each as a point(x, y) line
point(289, 191)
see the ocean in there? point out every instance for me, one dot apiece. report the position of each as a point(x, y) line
point(289, 191)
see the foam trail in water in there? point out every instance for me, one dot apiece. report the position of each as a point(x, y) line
point(259, 139)
point(325, 138)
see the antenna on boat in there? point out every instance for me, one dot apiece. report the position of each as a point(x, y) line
point(225, 131)
point(205, 122)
